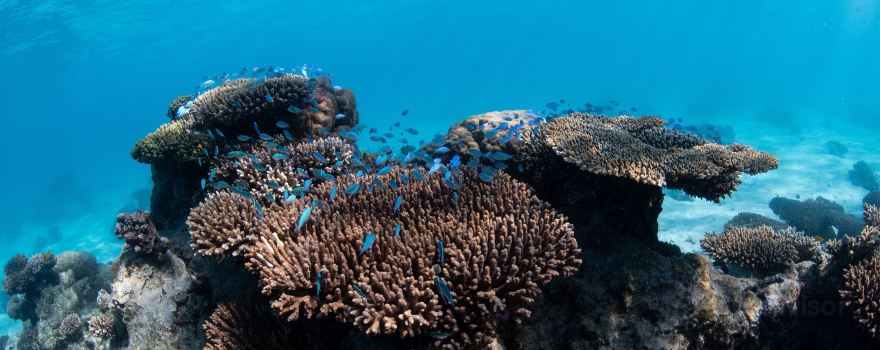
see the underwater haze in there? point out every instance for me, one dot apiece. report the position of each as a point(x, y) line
point(85, 80)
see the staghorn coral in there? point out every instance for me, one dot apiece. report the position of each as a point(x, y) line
point(175, 141)
point(642, 150)
point(140, 234)
point(103, 325)
point(816, 217)
point(221, 224)
point(501, 245)
point(70, 327)
point(23, 276)
point(760, 250)
point(753, 220)
point(864, 176)
point(176, 103)
point(861, 292)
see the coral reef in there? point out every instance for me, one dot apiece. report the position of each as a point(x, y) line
point(103, 325)
point(816, 217)
point(222, 223)
point(861, 293)
point(761, 250)
point(70, 327)
point(863, 175)
point(174, 141)
point(175, 105)
point(24, 276)
point(140, 234)
point(530, 244)
point(835, 148)
point(872, 199)
point(753, 220)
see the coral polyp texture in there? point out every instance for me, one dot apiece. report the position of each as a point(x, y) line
point(642, 150)
point(499, 245)
point(249, 325)
point(103, 326)
point(761, 250)
point(308, 106)
point(221, 224)
point(861, 293)
point(140, 233)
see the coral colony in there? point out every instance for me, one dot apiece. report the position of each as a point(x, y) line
point(272, 228)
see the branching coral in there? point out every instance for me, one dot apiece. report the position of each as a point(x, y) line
point(248, 326)
point(500, 245)
point(140, 234)
point(861, 293)
point(221, 224)
point(70, 327)
point(816, 217)
point(850, 250)
point(103, 325)
point(642, 150)
point(753, 220)
point(306, 106)
point(760, 250)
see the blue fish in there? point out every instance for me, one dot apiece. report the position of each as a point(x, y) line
point(221, 184)
point(287, 135)
point(385, 170)
point(501, 156)
point(266, 137)
point(236, 154)
point(397, 203)
point(397, 230)
point(324, 131)
point(404, 179)
point(418, 176)
point(216, 150)
point(259, 208)
point(220, 133)
point(288, 198)
point(269, 98)
point(332, 193)
point(473, 152)
point(293, 109)
point(441, 252)
point(203, 183)
point(359, 291)
point(318, 280)
point(455, 198)
point(486, 177)
point(257, 128)
point(207, 156)
point(303, 218)
point(199, 160)
point(443, 149)
point(243, 138)
point(412, 131)
point(340, 116)
point(282, 124)
point(280, 156)
point(381, 159)
point(368, 242)
point(210, 134)
point(319, 157)
point(445, 293)
point(440, 334)
point(393, 184)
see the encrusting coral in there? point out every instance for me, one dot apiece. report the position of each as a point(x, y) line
point(140, 233)
point(861, 293)
point(760, 250)
point(816, 217)
point(493, 246)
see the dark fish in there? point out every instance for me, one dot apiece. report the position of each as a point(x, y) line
point(396, 124)
point(388, 135)
point(220, 184)
point(368, 242)
point(445, 293)
point(244, 138)
point(440, 252)
point(282, 124)
point(287, 135)
point(404, 179)
point(440, 334)
point(455, 198)
point(405, 112)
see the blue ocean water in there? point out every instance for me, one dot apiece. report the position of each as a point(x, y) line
point(84, 80)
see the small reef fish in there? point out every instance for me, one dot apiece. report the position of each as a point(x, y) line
point(393, 184)
point(259, 208)
point(332, 192)
point(445, 293)
point(319, 157)
point(404, 179)
point(287, 135)
point(204, 182)
point(303, 218)
point(455, 198)
point(340, 116)
point(294, 109)
point(220, 184)
point(441, 252)
point(280, 156)
point(244, 138)
point(397, 203)
point(318, 281)
point(404, 113)
point(388, 135)
point(368, 242)
point(501, 156)
point(265, 137)
point(219, 133)
point(236, 154)
point(282, 124)
point(443, 149)
point(359, 291)
point(440, 334)
point(385, 170)
point(473, 152)
point(269, 98)
point(257, 128)
point(418, 176)
point(397, 230)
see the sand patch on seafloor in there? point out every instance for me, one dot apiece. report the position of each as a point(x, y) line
point(805, 169)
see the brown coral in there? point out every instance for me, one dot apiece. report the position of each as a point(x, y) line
point(177, 140)
point(642, 150)
point(139, 233)
point(861, 293)
point(175, 105)
point(221, 224)
point(501, 245)
point(253, 325)
point(761, 250)
point(103, 325)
